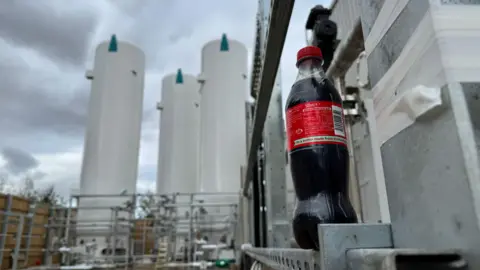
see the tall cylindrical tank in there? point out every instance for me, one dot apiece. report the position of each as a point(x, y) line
point(179, 142)
point(179, 134)
point(166, 108)
point(111, 150)
point(223, 122)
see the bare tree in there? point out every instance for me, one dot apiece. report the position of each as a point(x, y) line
point(28, 189)
point(3, 182)
point(47, 195)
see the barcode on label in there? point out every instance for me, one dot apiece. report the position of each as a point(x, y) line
point(338, 121)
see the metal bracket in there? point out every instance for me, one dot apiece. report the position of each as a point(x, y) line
point(353, 107)
point(361, 84)
point(335, 241)
point(356, 247)
point(397, 259)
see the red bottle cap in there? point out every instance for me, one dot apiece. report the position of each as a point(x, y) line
point(309, 52)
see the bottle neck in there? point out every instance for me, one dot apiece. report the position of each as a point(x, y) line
point(310, 68)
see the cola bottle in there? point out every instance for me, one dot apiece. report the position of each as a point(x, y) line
point(317, 145)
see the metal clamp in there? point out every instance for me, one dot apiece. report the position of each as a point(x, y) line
point(353, 107)
point(361, 85)
point(337, 239)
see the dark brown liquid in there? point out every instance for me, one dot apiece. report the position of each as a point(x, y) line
point(319, 172)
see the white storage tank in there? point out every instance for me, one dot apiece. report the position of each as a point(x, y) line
point(223, 123)
point(179, 134)
point(179, 142)
point(110, 159)
point(165, 106)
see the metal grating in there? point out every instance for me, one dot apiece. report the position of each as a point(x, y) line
point(257, 59)
point(286, 258)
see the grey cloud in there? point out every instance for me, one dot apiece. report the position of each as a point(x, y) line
point(44, 102)
point(158, 27)
point(43, 90)
point(36, 111)
point(33, 106)
point(56, 34)
point(133, 8)
point(38, 175)
point(18, 161)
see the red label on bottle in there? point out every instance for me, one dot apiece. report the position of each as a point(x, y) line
point(315, 122)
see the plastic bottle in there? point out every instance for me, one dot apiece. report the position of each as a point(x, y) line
point(317, 146)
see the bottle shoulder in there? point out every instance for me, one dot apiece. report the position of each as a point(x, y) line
point(312, 89)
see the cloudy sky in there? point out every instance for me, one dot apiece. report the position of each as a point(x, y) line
point(46, 46)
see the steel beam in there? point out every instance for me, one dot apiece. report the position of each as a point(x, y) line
point(200, 204)
point(155, 195)
point(280, 14)
point(278, 225)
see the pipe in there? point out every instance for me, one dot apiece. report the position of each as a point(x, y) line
point(347, 52)
point(201, 204)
